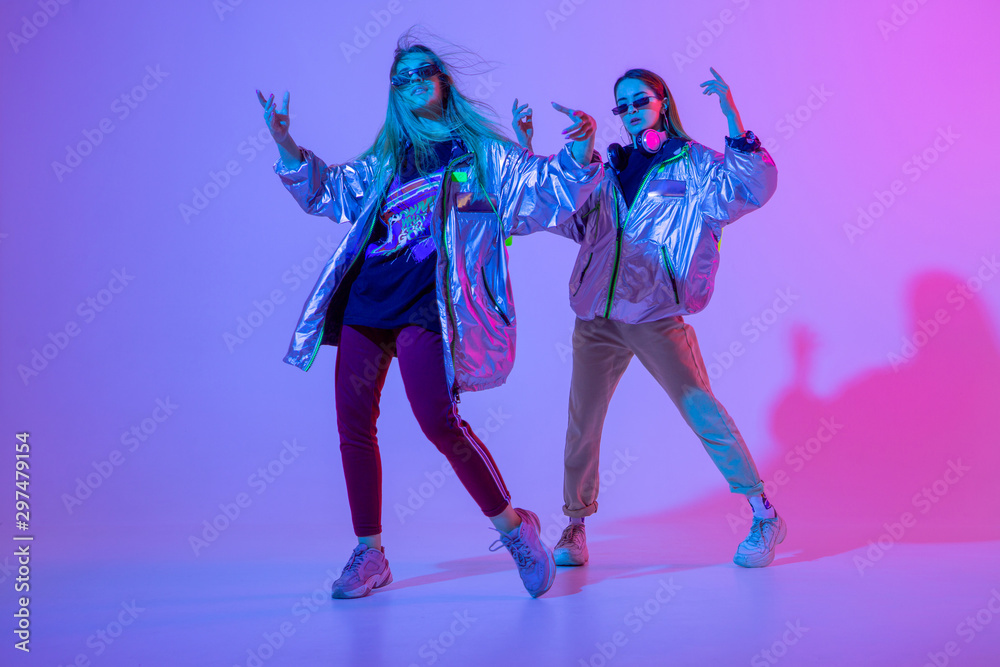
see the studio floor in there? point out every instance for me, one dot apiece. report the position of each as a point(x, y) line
point(655, 593)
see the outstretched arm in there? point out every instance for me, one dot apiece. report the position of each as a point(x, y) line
point(744, 177)
point(333, 191)
point(717, 86)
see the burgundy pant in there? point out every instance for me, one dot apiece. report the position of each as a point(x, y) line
point(363, 358)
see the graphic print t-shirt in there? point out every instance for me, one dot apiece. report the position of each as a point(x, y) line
point(397, 283)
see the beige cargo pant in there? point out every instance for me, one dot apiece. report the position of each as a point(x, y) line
point(602, 350)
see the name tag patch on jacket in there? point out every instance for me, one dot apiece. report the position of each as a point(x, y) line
point(470, 202)
point(667, 188)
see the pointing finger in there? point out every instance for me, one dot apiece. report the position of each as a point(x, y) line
point(562, 109)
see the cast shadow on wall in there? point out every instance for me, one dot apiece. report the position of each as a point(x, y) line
point(908, 452)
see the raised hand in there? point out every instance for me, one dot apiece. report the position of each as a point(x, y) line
point(583, 127)
point(277, 120)
point(582, 132)
point(717, 86)
point(523, 128)
point(277, 123)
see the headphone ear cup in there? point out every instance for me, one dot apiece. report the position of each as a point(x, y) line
point(616, 156)
point(651, 140)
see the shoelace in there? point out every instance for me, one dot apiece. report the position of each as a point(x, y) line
point(756, 537)
point(354, 564)
point(572, 536)
point(517, 547)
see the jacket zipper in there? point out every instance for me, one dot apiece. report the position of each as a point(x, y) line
point(621, 231)
point(670, 272)
point(489, 293)
point(583, 273)
point(447, 260)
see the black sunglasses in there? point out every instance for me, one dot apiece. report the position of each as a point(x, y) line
point(421, 73)
point(640, 103)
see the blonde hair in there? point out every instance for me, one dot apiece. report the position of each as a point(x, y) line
point(465, 119)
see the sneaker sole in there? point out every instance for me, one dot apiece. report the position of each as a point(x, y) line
point(766, 559)
point(375, 581)
point(566, 558)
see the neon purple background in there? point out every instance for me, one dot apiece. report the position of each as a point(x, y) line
point(886, 97)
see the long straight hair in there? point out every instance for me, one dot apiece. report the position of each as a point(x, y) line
point(464, 118)
point(671, 120)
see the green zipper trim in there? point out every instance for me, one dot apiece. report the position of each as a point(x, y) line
point(621, 228)
point(319, 341)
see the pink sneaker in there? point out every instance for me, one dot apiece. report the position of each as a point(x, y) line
point(367, 570)
point(534, 560)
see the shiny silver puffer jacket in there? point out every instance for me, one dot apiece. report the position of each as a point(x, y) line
point(524, 193)
point(659, 257)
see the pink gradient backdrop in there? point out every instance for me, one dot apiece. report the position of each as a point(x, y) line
point(885, 98)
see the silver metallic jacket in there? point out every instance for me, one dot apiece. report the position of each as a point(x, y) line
point(524, 193)
point(659, 257)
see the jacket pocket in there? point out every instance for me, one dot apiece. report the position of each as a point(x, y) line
point(668, 265)
point(583, 273)
point(493, 301)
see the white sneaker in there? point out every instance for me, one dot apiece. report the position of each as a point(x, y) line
point(572, 546)
point(757, 550)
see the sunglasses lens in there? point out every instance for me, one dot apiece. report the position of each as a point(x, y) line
point(421, 73)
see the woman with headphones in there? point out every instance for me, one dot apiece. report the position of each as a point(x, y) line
point(422, 275)
point(649, 249)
